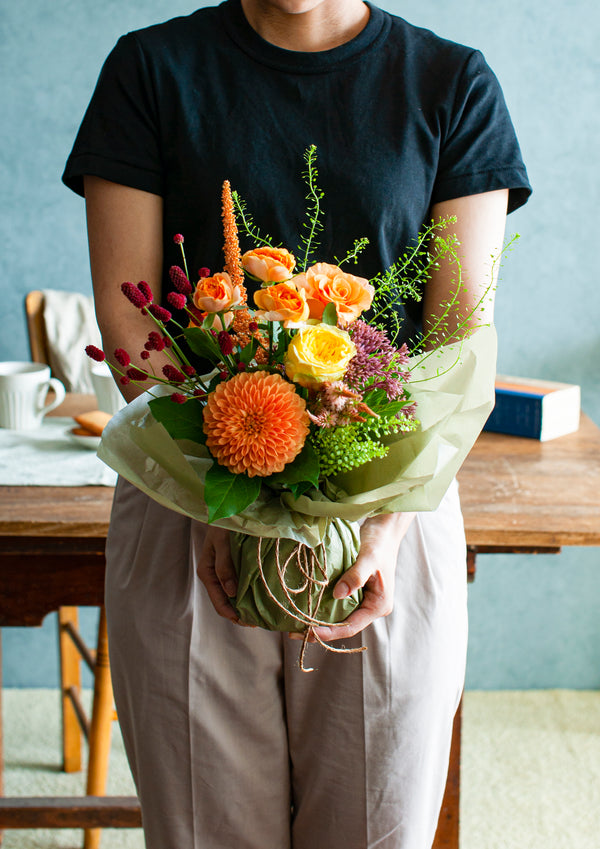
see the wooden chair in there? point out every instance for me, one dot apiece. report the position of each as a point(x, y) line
point(73, 649)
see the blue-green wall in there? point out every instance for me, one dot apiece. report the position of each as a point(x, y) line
point(534, 620)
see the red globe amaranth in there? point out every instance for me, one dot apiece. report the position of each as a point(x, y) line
point(122, 357)
point(179, 280)
point(134, 295)
point(176, 300)
point(155, 341)
point(226, 343)
point(95, 353)
point(171, 372)
point(178, 239)
point(160, 313)
point(136, 374)
point(146, 291)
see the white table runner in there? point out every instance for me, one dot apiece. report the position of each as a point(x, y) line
point(49, 457)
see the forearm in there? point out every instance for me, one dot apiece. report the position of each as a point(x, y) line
point(125, 241)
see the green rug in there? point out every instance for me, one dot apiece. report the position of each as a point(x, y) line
point(530, 770)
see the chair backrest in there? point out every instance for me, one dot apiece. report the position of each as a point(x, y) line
point(60, 324)
point(36, 328)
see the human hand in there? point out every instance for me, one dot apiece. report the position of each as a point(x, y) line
point(374, 570)
point(216, 571)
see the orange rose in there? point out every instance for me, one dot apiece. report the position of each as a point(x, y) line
point(325, 284)
point(282, 302)
point(271, 265)
point(217, 293)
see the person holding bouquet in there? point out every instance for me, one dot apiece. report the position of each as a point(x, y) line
point(230, 744)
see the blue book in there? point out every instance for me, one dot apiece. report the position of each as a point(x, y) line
point(539, 409)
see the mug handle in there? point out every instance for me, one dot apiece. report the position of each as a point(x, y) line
point(60, 392)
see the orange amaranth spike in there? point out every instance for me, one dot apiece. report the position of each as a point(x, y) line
point(231, 248)
point(233, 266)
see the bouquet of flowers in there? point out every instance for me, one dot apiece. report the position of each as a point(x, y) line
point(274, 420)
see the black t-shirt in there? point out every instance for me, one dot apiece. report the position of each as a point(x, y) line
point(401, 118)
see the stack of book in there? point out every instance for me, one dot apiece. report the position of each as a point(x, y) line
point(539, 409)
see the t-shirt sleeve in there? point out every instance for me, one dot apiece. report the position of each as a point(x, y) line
point(118, 138)
point(480, 151)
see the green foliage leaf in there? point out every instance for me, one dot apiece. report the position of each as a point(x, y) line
point(227, 494)
point(299, 489)
point(330, 315)
point(202, 343)
point(304, 469)
point(181, 421)
point(248, 351)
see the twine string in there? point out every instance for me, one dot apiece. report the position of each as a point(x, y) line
point(308, 564)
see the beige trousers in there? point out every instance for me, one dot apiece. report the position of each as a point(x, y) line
point(233, 747)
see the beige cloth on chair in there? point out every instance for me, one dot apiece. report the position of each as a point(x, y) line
point(70, 324)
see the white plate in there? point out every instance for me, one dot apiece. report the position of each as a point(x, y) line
point(85, 441)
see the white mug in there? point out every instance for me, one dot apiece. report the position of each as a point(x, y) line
point(23, 391)
point(108, 396)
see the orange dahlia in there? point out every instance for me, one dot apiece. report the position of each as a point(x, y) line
point(255, 423)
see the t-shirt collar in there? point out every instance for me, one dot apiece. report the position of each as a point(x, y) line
point(292, 61)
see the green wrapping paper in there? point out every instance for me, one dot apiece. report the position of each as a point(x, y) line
point(284, 585)
point(454, 390)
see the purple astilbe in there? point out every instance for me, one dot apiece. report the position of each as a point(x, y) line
point(377, 363)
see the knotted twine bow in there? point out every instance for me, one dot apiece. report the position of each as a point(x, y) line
point(314, 581)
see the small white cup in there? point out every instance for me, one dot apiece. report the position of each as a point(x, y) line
point(23, 391)
point(108, 396)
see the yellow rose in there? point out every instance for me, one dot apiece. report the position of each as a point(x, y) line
point(325, 284)
point(282, 302)
point(217, 293)
point(318, 354)
point(271, 265)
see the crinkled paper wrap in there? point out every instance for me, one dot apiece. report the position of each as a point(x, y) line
point(454, 389)
point(277, 576)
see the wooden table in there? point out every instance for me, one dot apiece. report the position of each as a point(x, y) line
point(518, 495)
